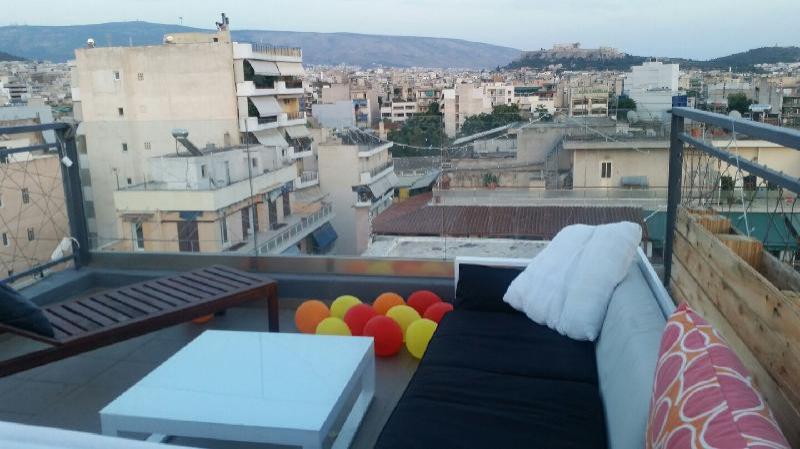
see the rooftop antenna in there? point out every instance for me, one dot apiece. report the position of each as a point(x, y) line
point(223, 25)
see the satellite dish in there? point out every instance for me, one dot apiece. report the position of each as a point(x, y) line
point(633, 117)
point(90, 43)
point(169, 39)
point(735, 114)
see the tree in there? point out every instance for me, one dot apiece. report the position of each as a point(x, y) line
point(501, 115)
point(739, 102)
point(625, 104)
point(424, 130)
point(543, 114)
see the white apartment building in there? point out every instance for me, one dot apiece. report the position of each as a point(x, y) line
point(587, 101)
point(652, 86)
point(460, 102)
point(399, 111)
point(223, 93)
point(359, 179)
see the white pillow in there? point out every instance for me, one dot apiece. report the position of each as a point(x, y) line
point(541, 286)
point(567, 286)
point(602, 265)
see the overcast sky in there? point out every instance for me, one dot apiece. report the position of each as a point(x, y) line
point(681, 28)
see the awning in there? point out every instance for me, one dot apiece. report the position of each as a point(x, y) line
point(264, 68)
point(291, 68)
point(271, 138)
point(274, 194)
point(266, 106)
point(383, 185)
point(297, 132)
point(324, 237)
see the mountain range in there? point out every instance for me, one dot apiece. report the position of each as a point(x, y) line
point(7, 57)
point(57, 43)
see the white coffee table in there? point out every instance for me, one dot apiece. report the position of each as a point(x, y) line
point(252, 386)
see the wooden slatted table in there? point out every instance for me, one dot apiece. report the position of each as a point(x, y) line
point(100, 319)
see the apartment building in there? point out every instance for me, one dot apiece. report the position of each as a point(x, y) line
point(223, 93)
point(357, 174)
point(399, 111)
point(460, 102)
point(652, 86)
point(587, 101)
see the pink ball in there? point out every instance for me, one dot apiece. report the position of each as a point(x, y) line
point(437, 311)
point(357, 317)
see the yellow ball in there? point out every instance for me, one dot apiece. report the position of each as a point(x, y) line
point(404, 316)
point(333, 326)
point(342, 304)
point(418, 336)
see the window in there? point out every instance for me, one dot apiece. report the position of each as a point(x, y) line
point(121, 112)
point(6, 242)
point(605, 170)
point(140, 76)
point(31, 234)
point(10, 273)
point(116, 75)
point(223, 228)
point(124, 147)
point(26, 195)
point(254, 161)
point(203, 171)
point(147, 146)
point(1, 201)
point(137, 235)
point(130, 181)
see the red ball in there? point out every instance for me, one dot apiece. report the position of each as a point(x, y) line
point(386, 333)
point(437, 311)
point(422, 299)
point(357, 317)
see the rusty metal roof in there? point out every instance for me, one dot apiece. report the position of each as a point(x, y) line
point(416, 216)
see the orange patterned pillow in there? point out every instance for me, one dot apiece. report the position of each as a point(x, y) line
point(703, 397)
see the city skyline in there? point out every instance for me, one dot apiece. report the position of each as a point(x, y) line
point(647, 31)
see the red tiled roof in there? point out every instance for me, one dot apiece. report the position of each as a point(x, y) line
point(415, 217)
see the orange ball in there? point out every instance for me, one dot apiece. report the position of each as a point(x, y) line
point(203, 319)
point(422, 299)
point(386, 301)
point(309, 315)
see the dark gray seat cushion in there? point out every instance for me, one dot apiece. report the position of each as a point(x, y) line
point(19, 312)
point(512, 344)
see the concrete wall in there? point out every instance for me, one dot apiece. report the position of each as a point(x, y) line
point(338, 173)
point(335, 115)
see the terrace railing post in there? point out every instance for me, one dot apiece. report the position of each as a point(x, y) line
point(73, 195)
point(673, 192)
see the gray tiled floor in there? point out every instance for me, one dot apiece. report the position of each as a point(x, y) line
point(70, 393)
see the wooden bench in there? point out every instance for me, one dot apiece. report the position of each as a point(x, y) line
point(100, 319)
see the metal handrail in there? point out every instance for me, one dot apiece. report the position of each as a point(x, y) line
point(296, 228)
point(786, 137)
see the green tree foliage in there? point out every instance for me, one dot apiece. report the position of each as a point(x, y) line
point(501, 115)
point(624, 105)
point(423, 130)
point(739, 102)
point(543, 114)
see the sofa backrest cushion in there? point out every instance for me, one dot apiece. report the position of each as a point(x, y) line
point(627, 352)
point(481, 288)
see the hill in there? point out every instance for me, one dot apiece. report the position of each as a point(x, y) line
point(7, 57)
point(57, 43)
point(739, 62)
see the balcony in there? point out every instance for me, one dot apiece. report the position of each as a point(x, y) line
point(307, 179)
point(249, 89)
point(153, 197)
point(246, 50)
point(297, 228)
point(251, 124)
point(376, 173)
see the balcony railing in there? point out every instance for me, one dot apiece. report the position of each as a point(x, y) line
point(271, 50)
point(267, 119)
point(381, 168)
point(295, 115)
point(291, 233)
